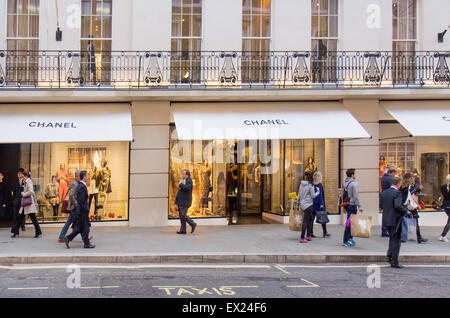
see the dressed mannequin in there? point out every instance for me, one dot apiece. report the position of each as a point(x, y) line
point(94, 189)
point(51, 194)
point(62, 176)
point(206, 188)
point(105, 187)
point(310, 165)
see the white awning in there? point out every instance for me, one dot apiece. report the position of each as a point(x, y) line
point(238, 121)
point(39, 123)
point(428, 118)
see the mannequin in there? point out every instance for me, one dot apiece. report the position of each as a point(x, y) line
point(51, 194)
point(94, 189)
point(206, 188)
point(310, 165)
point(62, 176)
point(105, 186)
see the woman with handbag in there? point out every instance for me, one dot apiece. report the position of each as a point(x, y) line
point(319, 210)
point(445, 190)
point(306, 194)
point(27, 207)
point(409, 198)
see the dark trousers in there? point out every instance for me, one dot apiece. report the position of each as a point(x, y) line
point(81, 227)
point(232, 205)
point(55, 210)
point(324, 226)
point(16, 210)
point(447, 226)
point(306, 226)
point(184, 218)
point(394, 243)
point(384, 230)
point(20, 219)
point(351, 209)
point(95, 196)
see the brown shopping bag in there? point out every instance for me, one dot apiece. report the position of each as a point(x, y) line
point(361, 225)
point(295, 217)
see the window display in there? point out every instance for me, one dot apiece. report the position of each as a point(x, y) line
point(53, 167)
point(229, 178)
point(427, 158)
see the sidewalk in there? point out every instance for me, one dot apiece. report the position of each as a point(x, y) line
point(266, 243)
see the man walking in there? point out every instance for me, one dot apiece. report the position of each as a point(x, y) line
point(82, 214)
point(71, 206)
point(393, 211)
point(184, 201)
point(351, 186)
point(386, 182)
point(16, 197)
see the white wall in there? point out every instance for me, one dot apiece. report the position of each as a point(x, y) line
point(433, 18)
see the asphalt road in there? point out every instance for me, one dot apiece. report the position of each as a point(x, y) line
point(223, 280)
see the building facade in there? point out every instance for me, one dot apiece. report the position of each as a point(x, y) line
point(247, 95)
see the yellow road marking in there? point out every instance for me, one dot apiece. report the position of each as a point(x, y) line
point(137, 266)
point(304, 286)
point(98, 287)
point(28, 288)
point(240, 286)
point(281, 269)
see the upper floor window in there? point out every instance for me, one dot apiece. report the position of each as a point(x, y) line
point(324, 37)
point(256, 32)
point(186, 41)
point(404, 24)
point(96, 39)
point(22, 41)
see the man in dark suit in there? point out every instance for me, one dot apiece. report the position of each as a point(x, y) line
point(16, 197)
point(82, 223)
point(393, 211)
point(184, 201)
point(386, 182)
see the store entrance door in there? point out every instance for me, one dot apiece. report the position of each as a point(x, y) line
point(244, 191)
point(9, 164)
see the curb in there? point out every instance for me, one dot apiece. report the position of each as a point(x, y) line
point(228, 258)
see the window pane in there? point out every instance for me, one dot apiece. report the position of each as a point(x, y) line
point(315, 7)
point(333, 24)
point(412, 8)
point(266, 25)
point(107, 7)
point(96, 27)
point(197, 25)
point(186, 26)
point(23, 25)
point(402, 8)
point(176, 25)
point(402, 29)
point(256, 6)
point(22, 6)
point(34, 25)
point(394, 28)
point(12, 6)
point(176, 6)
point(12, 25)
point(246, 24)
point(394, 9)
point(33, 6)
point(246, 6)
point(314, 26)
point(323, 26)
point(86, 8)
point(256, 25)
point(197, 7)
point(265, 6)
point(333, 7)
point(411, 28)
point(106, 26)
point(85, 26)
point(187, 7)
point(323, 7)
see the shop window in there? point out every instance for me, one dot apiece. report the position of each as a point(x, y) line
point(185, 60)
point(96, 38)
point(22, 41)
point(324, 37)
point(256, 35)
point(404, 33)
point(53, 167)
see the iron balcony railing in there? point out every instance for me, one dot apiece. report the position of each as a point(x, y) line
point(208, 69)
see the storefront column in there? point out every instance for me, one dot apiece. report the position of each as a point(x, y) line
point(362, 155)
point(149, 164)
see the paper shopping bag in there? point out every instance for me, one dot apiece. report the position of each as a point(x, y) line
point(295, 219)
point(361, 225)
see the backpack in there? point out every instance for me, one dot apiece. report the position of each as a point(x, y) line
point(344, 199)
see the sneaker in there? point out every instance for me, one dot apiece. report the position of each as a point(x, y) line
point(352, 241)
point(303, 241)
point(443, 239)
point(347, 244)
point(308, 238)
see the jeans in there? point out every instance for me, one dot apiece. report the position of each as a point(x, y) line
point(306, 226)
point(351, 209)
point(447, 226)
point(69, 222)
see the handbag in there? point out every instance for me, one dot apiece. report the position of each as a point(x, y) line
point(410, 203)
point(26, 201)
point(361, 225)
point(322, 217)
point(409, 226)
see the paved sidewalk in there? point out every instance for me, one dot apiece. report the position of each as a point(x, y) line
point(269, 243)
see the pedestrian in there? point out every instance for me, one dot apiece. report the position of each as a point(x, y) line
point(393, 212)
point(409, 186)
point(445, 190)
point(184, 201)
point(27, 207)
point(82, 223)
point(351, 186)
point(71, 206)
point(306, 194)
point(318, 203)
point(4, 196)
point(16, 197)
point(386, 184)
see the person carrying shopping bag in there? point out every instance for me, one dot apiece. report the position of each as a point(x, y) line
point(351, 186)
point(306, 194)
point(319, 204)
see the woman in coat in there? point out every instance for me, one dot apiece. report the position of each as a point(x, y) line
point(408, 185)
point(445, 190)
point(318, 203)
point(306, 194)
point(29, 210)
